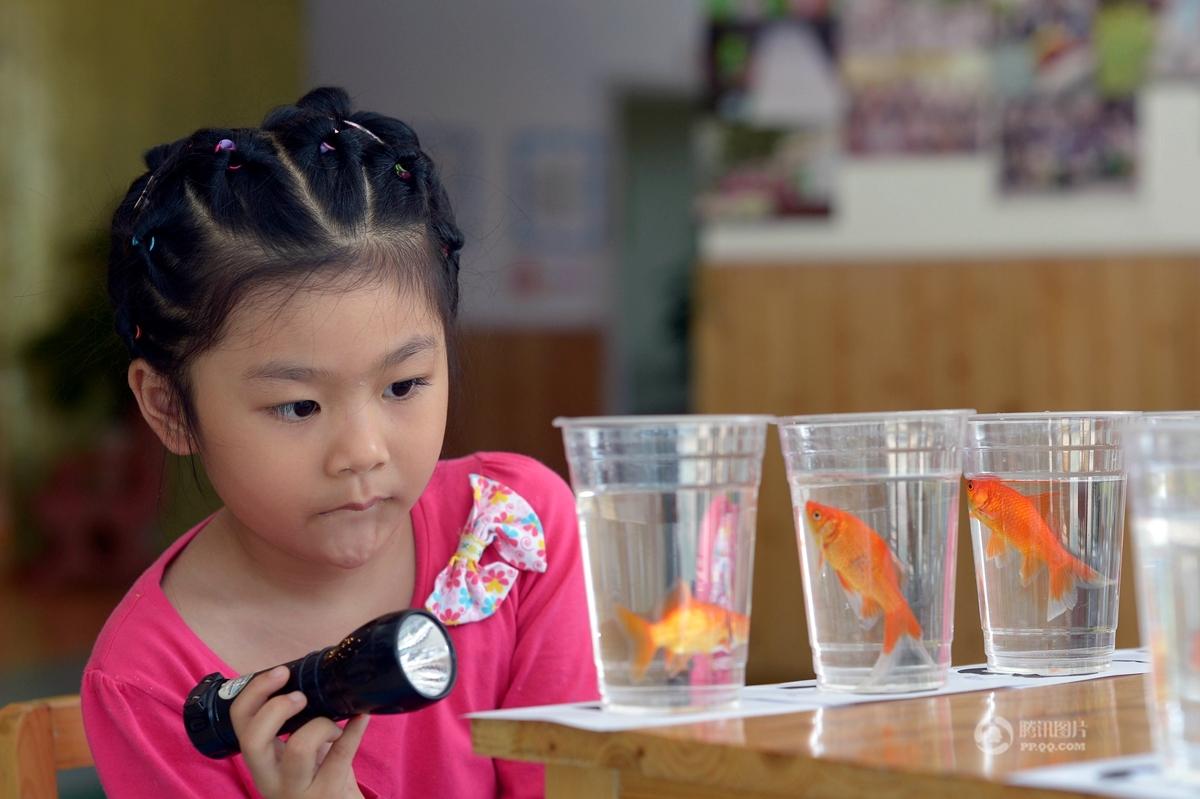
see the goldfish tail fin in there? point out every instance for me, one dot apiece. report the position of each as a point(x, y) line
point(1087, 575)
point(1062, 598)
point(880, 671)
point(638, 630)
point(1064, 582)
point(1057, 606)
point(898, 622)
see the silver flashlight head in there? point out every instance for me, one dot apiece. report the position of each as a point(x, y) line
point(426, 656)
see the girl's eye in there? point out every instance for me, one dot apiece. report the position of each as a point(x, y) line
point(296, 411)
point(403, 388)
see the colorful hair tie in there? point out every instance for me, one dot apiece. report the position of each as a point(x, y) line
point(402, 172)
point(228, 145)
point(145, 190)
point(326, 147)
point(364, 130)
point(446, 250)
point(137, 332)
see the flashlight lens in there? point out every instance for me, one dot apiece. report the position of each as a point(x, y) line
point(425, 657)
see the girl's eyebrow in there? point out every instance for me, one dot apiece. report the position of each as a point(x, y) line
point(282, 370)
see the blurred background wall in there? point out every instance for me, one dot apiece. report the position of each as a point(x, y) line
point(86, 499)
point(648, 231)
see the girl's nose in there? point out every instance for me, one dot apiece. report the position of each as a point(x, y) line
point(359, 445)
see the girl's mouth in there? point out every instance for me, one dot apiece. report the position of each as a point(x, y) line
point(359, 506)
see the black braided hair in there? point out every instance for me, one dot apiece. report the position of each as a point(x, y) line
point(318, 187)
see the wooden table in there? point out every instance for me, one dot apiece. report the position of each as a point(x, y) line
point(921, 747)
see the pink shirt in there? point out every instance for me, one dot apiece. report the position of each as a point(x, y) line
point(536, 649)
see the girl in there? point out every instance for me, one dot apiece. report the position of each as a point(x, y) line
point(288, 294)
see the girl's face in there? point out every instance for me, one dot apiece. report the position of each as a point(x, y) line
point(321, 421)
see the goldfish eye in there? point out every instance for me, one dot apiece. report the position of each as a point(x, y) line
point(970, 485)
point(817, 515)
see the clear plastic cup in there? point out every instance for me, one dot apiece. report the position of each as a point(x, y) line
point(875, 500)
point(1167, 417)
point(1046, 495)
point(1164, 496)
point(667, 508)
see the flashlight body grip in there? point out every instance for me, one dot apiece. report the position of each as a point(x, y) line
point(360, 674)
point(304, 675)
point(207, 709)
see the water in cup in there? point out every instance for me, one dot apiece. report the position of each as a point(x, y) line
point(875, 499)
point(1164, 492)
point(1046, 497)
point(1169, 586)
point(1050, 567)
point(664, 596)
point(667, 509)
point(877, 559)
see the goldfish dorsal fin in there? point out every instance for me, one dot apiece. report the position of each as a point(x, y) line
point(680, 597)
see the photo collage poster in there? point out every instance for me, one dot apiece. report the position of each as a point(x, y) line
point(917, 76)
point(768, 145)
point(1067, 74)
point(1048, 89)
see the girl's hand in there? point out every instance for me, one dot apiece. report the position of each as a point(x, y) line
point(316, 760)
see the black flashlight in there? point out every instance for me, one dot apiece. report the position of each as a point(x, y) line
point(399, 662)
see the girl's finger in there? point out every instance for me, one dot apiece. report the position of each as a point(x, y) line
point(336, 771)
point(259, 735)
point(299, 764)
point(255, 694)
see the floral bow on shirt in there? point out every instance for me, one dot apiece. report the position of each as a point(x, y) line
point(465, 591)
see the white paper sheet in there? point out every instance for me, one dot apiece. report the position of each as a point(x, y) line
point(591, 716)
point(794, 697)
point(961, 679)
point(1137, 777)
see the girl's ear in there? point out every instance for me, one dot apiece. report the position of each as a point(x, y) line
point(159, 407)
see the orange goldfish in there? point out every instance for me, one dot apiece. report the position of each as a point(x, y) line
point(1016, 521)
point(866, 568)
point(688, 627)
